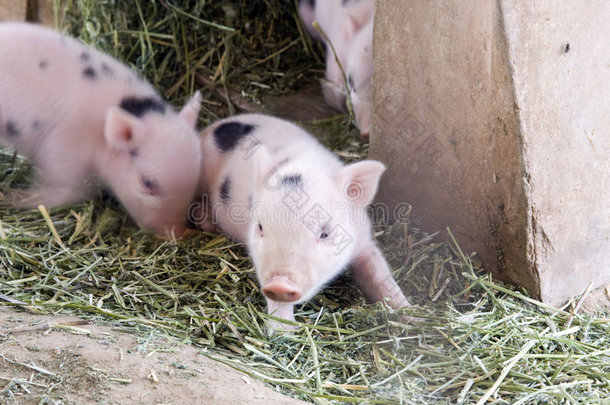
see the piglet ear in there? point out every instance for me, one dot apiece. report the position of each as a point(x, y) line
point(349, 28)
point(190, 111)
point(355, 16)
point(360, 13)
point(352, 20)
point(122, 130)
point(359, 181)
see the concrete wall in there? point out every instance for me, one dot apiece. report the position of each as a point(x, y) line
point(12, 10)
point(492, 125)
point(564, 96)
point(27, 10)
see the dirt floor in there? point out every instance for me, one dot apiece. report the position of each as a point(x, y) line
point(57, 365)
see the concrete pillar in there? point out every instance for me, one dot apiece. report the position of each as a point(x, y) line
point(494, 119)
point(40, 11)
point(13, 10)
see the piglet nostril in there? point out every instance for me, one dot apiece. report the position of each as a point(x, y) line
point(270, 294)
point(281, 289)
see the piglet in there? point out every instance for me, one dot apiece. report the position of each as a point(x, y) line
point(359, 69)
point(85, 120)
point(343, 22)
point(300, 211)
point(307, 12)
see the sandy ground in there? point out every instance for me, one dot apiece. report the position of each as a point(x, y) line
point(39, 365)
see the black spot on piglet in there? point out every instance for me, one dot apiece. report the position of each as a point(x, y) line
point(89, 73)
point(43, 64)
point(84, 56)
point(141, 106)
point(294, 180)
point(229, 134)
point(225, 190)
point(11, 128)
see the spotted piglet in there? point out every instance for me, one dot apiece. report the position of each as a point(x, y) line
point(343, 22)
point(307, 11)
point(300, 211)
point(85, 120)
point(359, 70)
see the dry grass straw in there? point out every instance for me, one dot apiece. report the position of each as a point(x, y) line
point(254, 46)
point(477, 341)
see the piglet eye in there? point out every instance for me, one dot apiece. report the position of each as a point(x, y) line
point(151, 186)
point(325, 233)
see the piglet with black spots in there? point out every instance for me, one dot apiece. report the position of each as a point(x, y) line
point(85, 120)
point(359, 70)
point(301, 211)
point(348, 25)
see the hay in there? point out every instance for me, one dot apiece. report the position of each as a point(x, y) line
point(476, 341)
point(239, 47)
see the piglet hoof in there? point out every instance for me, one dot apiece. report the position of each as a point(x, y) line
point(411, 319)
point(20, 199)
point(407, 318)
point(400, 303)
point(274, 327)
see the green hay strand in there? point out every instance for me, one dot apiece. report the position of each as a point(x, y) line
point(475, 340)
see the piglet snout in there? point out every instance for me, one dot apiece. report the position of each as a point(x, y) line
point(281, 289)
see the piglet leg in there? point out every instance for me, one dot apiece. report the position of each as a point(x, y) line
point(47, 195)
point(374, 277)
point(282, 310)
point(58, 181)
